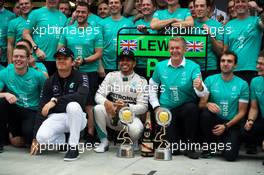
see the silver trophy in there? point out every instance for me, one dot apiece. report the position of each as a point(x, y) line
point(163, 152)
point(126, 149)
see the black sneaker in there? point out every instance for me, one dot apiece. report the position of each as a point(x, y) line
point(193, 154)
point(176, 152)
point(1, 148)
point(206, 155)
point(63, 148)
point(72, 154)
point(251, 149)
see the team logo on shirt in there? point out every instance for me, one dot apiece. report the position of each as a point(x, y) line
point(71, 85)
point(55, 88)
point(234, 88)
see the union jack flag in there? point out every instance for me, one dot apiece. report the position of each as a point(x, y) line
point(195, 46)
point(128, 45)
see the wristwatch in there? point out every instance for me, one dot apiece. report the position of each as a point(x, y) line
point(35, 48)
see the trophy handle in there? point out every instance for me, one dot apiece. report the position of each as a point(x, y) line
point(122, 136)
point(160, 139)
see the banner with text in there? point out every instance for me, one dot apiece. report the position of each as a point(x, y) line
point(155, 46)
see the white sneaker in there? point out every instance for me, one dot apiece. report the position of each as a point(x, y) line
point(103, 146)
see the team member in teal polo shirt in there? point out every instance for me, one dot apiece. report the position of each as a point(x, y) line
point(5, 17)
point(110, 27)
point(133, 10)
point(243, 36)
point(92, 18)
point(103, 9)
point(32, 63)
point(148, 9)
point(213, 29)
point(173, 16)
point(86, 45)
point(180, 83)
point(253, 131)
point(15, 31)
point(17, 26)
point(43, 30)
point(224, 107)
point(19, 102)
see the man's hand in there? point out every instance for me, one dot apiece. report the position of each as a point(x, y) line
point(248, 125)
point(176, 22)
point(110, 108)
point(47, 107)
point(156, 110)
point(34, 147)
point(32, 62)
point(214, 108)
point(101, 71)
point(78, 61)
point(40, 54)
point(119, 104)
point(197, 84)
point(10, 98)
point(142, 28)
point(219, 129)
point(254, 5)
point(74, 15)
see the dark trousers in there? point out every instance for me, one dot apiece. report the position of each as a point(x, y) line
point(256, 134)
point(3, 124)
point(20, 120)
point(230, 136)
point(184, 123)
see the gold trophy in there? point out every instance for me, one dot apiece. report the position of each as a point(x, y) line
point(163, 152)
point(126, 149)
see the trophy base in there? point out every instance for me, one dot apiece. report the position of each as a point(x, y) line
point(163, 154)
point(125, 151)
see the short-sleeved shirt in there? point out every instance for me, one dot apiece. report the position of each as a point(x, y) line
point(15, 28)
point(179, 13)
point(257, 92)
point(25, 87)
point(110, 30)
point(46, 26)
point(142, 62)
point(1, 67)
point(176, 83)
point(216, 33)
point(5, 16)
point(41, 67)
point(83, 42)
point(227, 94)
point(244, 38)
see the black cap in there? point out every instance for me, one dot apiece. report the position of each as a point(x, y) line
point(127, 54)
point(64, 51)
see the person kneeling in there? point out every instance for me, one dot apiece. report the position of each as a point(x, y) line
point(62, 104)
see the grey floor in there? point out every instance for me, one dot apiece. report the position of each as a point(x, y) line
point(16, 161)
